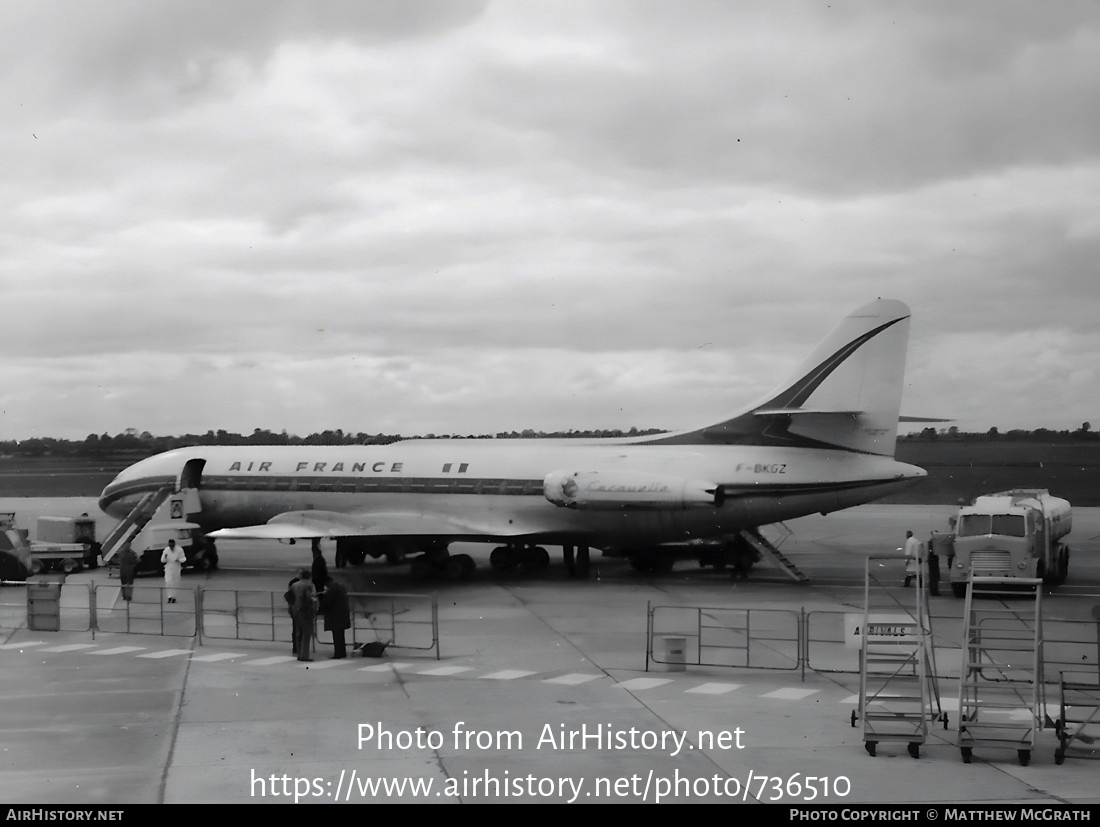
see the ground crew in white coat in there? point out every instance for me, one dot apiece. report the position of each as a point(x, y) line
point(912, 556)
point(173, 559)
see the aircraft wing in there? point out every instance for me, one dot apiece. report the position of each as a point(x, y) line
point(302, 525)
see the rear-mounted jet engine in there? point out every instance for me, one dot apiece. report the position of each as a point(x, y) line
point(605, 490)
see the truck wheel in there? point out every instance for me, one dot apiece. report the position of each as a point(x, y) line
point(36, 566)
point(69, 565)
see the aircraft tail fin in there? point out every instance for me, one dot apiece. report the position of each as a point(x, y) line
point(846, 394)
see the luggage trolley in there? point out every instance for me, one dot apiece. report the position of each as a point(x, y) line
point(899, 690)
point(1001, 693)
point(1080, 713)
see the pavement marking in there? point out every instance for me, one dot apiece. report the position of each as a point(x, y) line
point(790, 694)
point(572, 680)
point(167, 653)
point(642, 683)
point(269, 661)
point(714, 688)
point(507, 675)
point(446, 670)
point(219, 656)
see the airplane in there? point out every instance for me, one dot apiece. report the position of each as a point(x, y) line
point(822, 441)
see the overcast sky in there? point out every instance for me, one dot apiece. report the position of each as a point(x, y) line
point(456, 216)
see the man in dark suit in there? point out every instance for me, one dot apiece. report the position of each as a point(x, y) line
point(334, 606)
point(320, 568)
point(303, 608)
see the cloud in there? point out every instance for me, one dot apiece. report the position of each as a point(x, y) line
point(271, 206)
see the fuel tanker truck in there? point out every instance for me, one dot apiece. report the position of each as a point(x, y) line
point(1014, 533)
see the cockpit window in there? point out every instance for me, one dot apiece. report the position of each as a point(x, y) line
point(978, 525)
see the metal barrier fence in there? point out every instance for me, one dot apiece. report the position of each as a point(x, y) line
point(747, 638)
point(828, 641)
point(408, 622)
point(833, 646)
point(778, 639)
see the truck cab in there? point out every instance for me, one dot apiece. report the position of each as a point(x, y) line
point(1011, 534)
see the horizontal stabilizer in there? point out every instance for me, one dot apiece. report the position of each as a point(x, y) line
point(801, 411)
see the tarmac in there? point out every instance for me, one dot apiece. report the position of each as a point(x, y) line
point(543, 691)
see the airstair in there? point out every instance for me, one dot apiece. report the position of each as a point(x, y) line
point(133, 523)
point(756, 540)
point(1001, 693)
point(898, 685)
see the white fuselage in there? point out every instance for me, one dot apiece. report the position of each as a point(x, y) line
point(497, 485)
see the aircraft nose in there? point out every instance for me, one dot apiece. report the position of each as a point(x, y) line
point(112, 501)
point(122, 493)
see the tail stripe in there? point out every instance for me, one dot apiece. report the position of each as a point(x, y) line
point(852, 410)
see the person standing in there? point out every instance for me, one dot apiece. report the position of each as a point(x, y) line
point(304, 612)
point(173, 559)
point(334, 606)
point(934, 564)
point(912, 557)
point(127, 570)
point(319, 571)
point(290, 597)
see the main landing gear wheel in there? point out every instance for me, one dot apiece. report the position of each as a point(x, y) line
point(453, 569)
point(536, 559)
point(459, 567)
point(529, 558)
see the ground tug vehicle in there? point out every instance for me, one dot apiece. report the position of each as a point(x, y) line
point(66, 544)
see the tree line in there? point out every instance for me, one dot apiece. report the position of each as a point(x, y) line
point(1082, 434)
point(132, 442)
